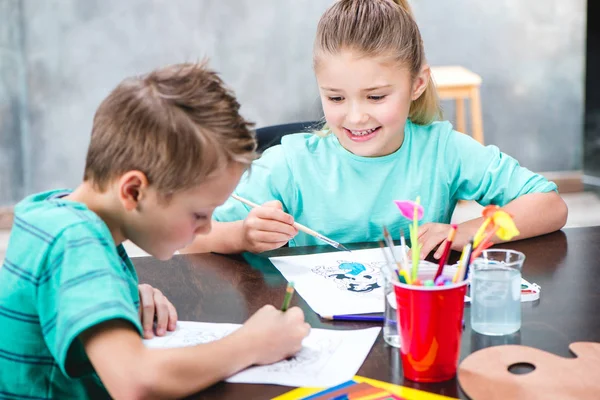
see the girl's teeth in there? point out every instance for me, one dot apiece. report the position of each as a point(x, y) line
point(362, 133)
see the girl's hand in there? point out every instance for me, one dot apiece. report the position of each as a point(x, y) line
point(434, 234)
point(155, 306)
point(267, 227)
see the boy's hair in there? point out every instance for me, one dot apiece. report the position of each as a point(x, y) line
point(379, 28)
point(177, 125)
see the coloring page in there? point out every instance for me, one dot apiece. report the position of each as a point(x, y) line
point(327, 358)
point(340, 282)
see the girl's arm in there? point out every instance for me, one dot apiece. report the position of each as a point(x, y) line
point(129, 370)
point(224, 238)
point(534, 214)
point(265, 228)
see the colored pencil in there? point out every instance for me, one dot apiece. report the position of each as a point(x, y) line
point(446, 252)
point(354, 317)
point(462, 263)
point(300, 227)
point(468, 260)
point(289, 291)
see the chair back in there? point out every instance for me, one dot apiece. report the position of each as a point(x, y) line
point(271, 135)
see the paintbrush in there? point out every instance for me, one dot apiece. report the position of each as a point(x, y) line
point(300, 227)
point(390, 243)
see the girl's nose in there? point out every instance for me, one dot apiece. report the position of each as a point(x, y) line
point(356, 116)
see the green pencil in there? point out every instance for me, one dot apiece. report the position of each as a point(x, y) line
point(289, 291)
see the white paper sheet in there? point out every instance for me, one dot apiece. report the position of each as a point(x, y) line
point(328, 357)
point(342, 282)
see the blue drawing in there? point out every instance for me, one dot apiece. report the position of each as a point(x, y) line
point(352, 276)
point(353, 268)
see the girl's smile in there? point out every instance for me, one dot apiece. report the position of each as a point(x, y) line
point(362, 135)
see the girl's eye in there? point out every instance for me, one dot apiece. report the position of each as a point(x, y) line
point(336, 99)
point(199, 217)
point(376, 98)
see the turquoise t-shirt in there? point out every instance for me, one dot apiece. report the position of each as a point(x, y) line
point(62, 275)
point(349, 198)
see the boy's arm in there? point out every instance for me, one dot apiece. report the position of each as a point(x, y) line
point(129, 370)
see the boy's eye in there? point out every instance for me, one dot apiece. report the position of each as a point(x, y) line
point(335, 99)
point(376, 98)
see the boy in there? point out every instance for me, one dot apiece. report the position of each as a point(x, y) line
point(166, 149)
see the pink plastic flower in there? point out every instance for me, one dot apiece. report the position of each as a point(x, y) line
point(407, 209)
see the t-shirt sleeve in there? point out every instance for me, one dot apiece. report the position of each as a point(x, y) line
point(486, 175)
point(83, 284)
point(269, 178)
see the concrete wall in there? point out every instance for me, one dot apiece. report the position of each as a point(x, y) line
point(529, 54)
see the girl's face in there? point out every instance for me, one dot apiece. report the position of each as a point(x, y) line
point(366, 100)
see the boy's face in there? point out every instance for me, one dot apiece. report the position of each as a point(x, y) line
point(161, 228)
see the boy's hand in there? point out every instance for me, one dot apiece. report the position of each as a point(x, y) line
point(274, 334)
point(434, 234)
point(155, 306)
point(267, 227)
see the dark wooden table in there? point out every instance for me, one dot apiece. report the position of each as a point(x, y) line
point(216, 288)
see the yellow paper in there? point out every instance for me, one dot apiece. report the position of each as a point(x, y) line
point(407, 393)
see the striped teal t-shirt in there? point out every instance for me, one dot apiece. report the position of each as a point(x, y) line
point(62, 275)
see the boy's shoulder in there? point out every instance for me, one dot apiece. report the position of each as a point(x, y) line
point(47, 215)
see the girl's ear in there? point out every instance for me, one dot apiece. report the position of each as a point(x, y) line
point(421, 82)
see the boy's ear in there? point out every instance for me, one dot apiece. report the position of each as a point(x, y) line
point(421, 82)
point(132, 188)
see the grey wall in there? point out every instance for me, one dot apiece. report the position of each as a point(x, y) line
point(529, 54)
point(12, 107)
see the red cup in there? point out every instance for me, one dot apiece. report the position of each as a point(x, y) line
point(430, 321)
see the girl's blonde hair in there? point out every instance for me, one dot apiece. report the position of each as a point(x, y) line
point(379, 28)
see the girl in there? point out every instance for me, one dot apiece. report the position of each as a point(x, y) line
point(380, 143)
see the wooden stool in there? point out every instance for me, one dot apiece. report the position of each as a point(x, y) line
point(458, 83)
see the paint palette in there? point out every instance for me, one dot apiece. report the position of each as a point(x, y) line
point(487, 373)
point(529, 291)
